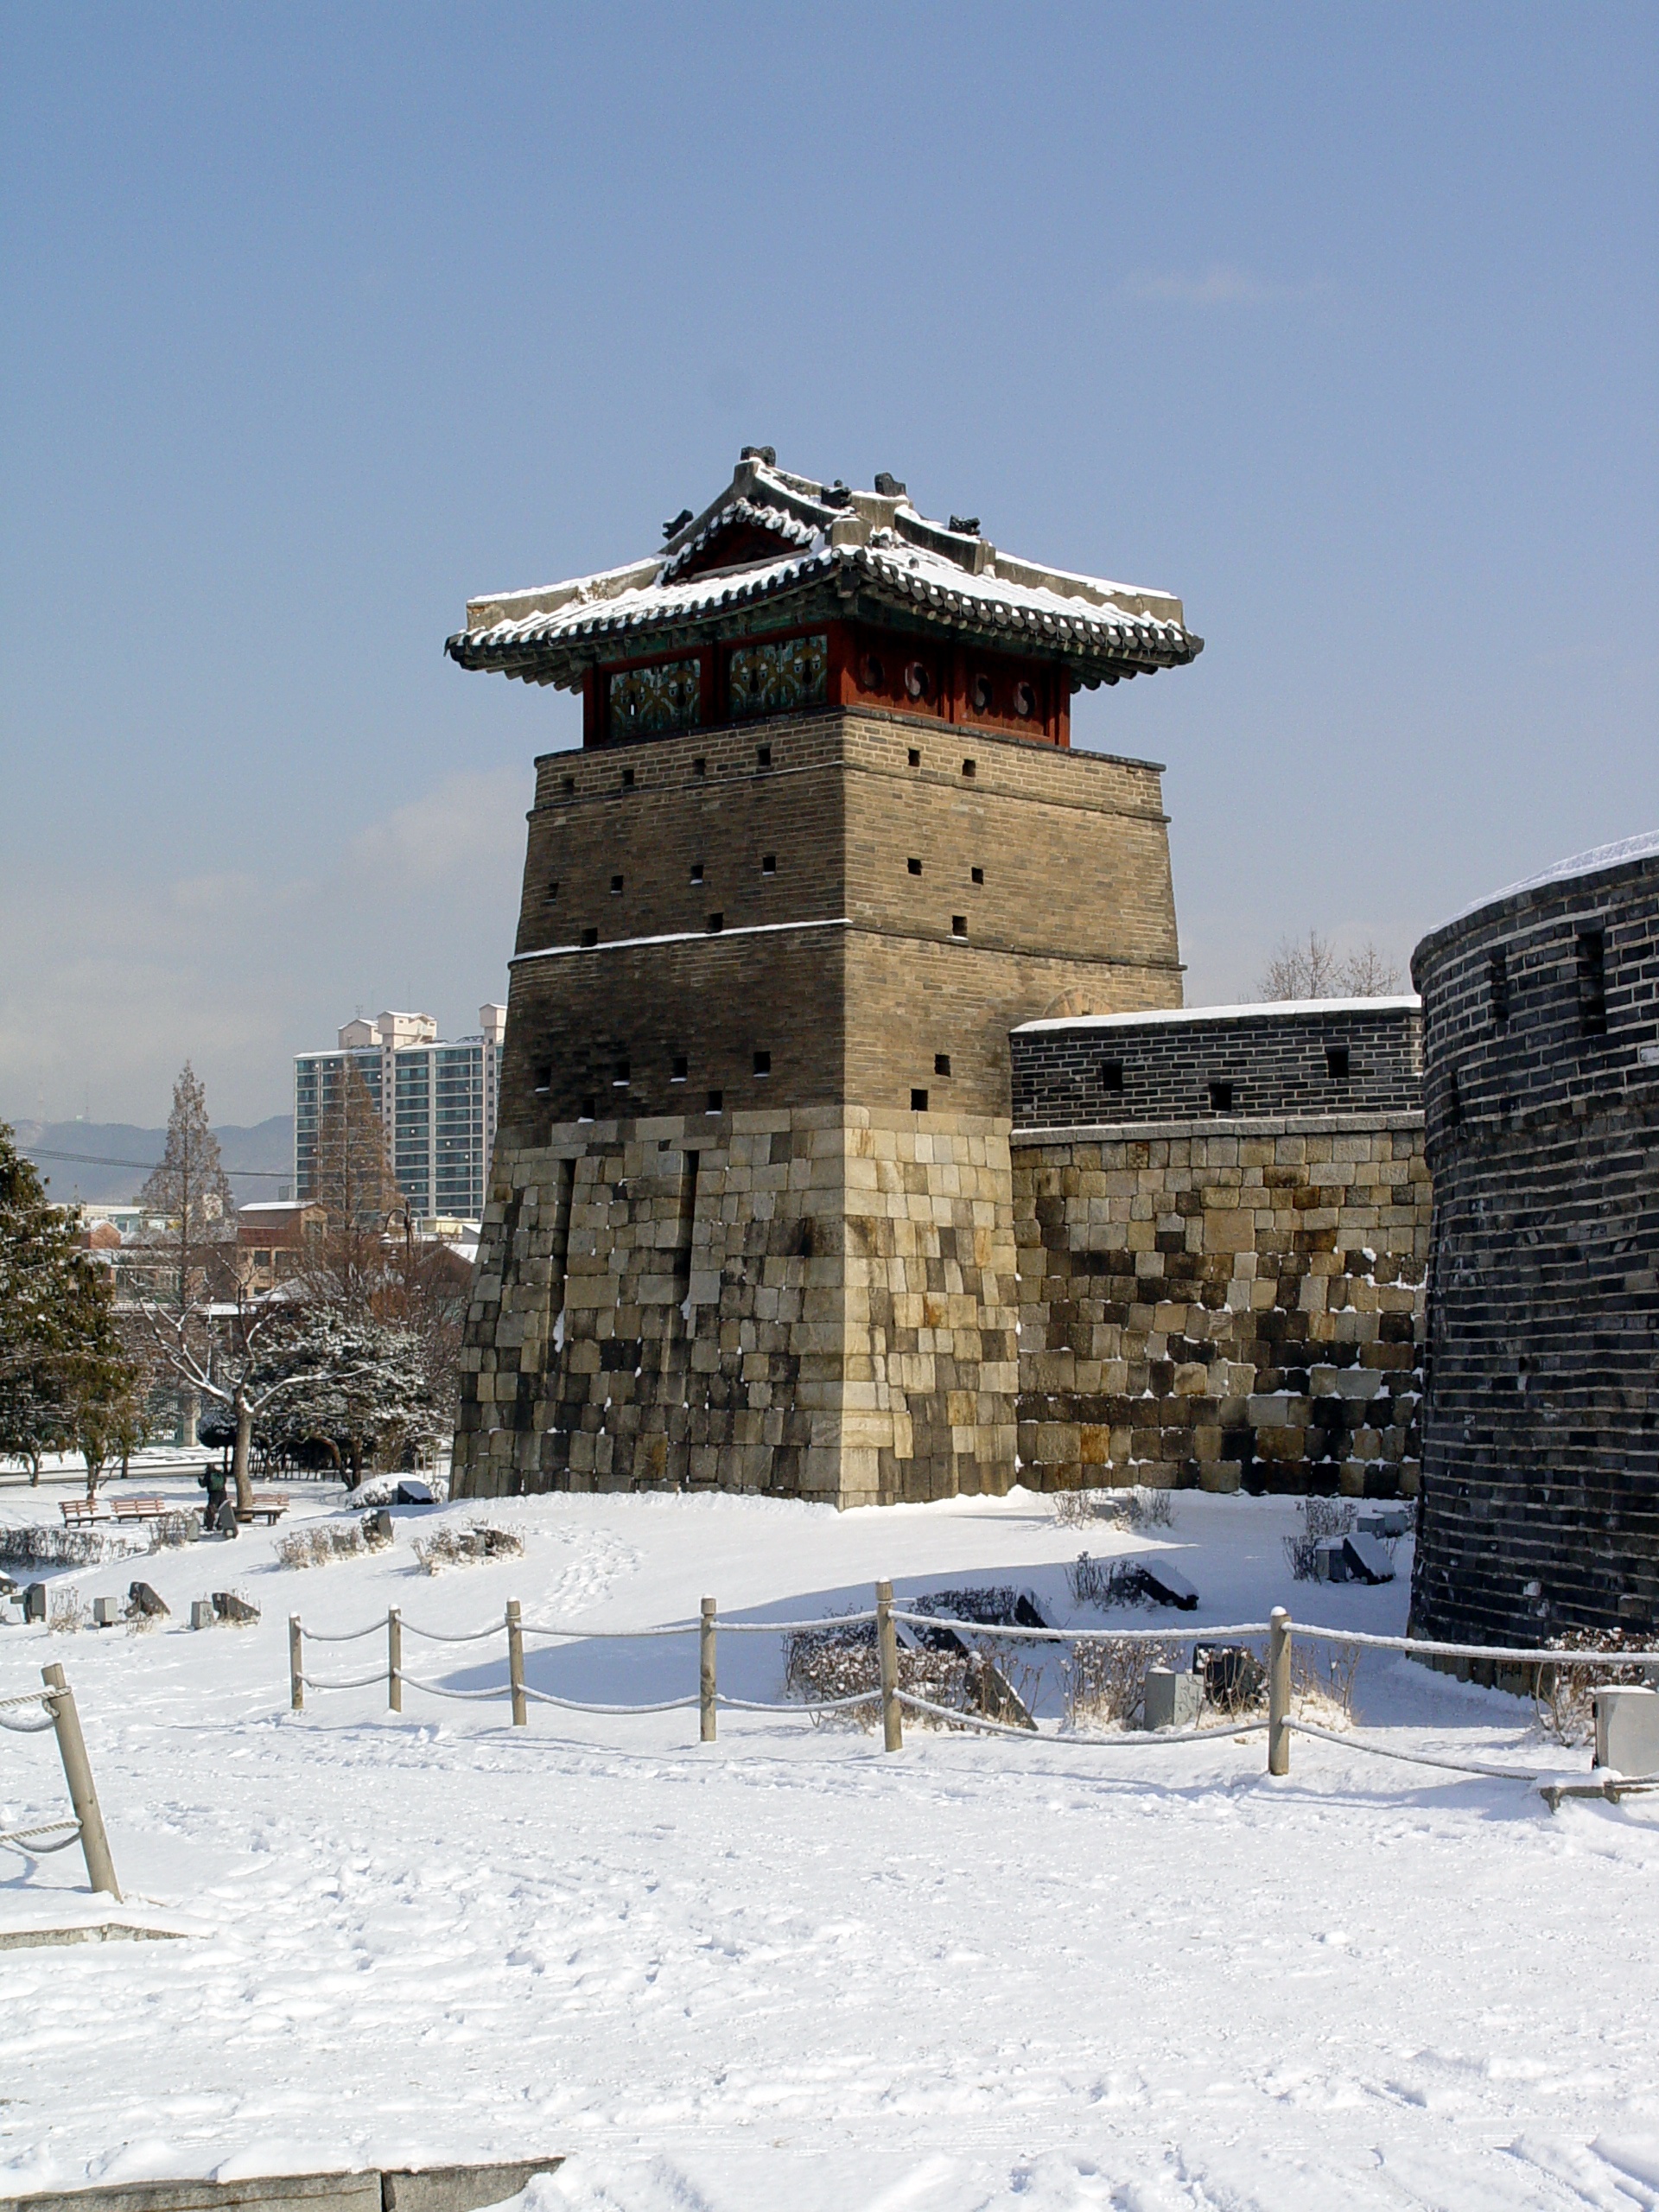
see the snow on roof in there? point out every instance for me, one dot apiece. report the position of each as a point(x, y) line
point(871, 542)
point(1618, 855)
point(274, 1205)
point(1254, 1010)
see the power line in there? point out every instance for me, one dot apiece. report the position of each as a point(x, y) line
point(148, 1166)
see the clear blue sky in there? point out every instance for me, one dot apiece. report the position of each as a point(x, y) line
point(1340, 321)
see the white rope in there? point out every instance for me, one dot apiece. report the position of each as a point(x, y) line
point(1173, 1634)
point(1137, 1740)
point(477, 1635)
point(818, 1705)
point(577, 1705)
point(28, 1697)
point(1411, 1758)
point(353, 1636)
point(610, 1635)
point(27, 1728)
point(1510, 1657)
point(794, 1628)
point(21, 1840)
point(467, 1697)
point(357, 1682)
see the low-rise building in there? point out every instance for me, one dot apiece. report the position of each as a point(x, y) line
point(271, 1235)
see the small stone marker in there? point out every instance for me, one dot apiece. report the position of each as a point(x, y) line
point(1172, 1700)
point(1165, 1587)
point(106, 1611)
point(409, 1492)
point(202, 1614)
point(1331, 1559)
point(1385, 1520)
point(1366, 1560)
point(34, 1602)
point(141, 1598)
point(230, 1607)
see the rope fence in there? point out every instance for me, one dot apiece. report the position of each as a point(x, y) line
point(57, 1711)
point(1279, 1725)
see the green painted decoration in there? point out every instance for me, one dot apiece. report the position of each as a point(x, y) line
point(775, 679)
point(644, 701)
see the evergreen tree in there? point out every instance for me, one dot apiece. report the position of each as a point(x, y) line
point(65, 1380)
point(358, 1386)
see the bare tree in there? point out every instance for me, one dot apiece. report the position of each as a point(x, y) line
point(192, 1193)
point(221, 1357)
point(1314, 970)
point(369, 1266)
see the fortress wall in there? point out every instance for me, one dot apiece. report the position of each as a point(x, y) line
point(1541, 1431)
point(1222, 1304)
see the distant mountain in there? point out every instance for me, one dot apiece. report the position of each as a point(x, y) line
point(110, 1159)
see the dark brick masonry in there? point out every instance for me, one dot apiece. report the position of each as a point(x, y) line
point(1330, 1058)
point(1541, 1424)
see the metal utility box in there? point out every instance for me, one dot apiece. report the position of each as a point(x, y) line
point(1172, 1700)
point(1627, 1729)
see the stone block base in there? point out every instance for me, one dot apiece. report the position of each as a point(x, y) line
point(817, 1302)
point(1223, 1307)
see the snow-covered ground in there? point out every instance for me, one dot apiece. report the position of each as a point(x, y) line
point(787, 1970)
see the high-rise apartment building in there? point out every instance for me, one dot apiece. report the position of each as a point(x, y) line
point(437, 1104)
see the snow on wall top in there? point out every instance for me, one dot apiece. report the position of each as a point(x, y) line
point(1600, 857)
point(1254, 1010)
point(860, 541)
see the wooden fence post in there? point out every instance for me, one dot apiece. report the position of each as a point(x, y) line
point(706, 1686)
point(394, 1659)
point(516, 1664)
point(886, 1646)
point(295, 1664)
point(78, 1773)
point(1279, 1691)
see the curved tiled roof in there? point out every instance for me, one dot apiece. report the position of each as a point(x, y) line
point(735, 512)
point(836, 549)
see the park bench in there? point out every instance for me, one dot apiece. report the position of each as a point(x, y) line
point(139, 1508)
point(82, 1512)
point(269, 1506)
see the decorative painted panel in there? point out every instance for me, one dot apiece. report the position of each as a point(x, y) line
point(644, 701)
point(778, 678)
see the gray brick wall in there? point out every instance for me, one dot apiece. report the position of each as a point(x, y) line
point(1540, 1420)
point(1363, 1056)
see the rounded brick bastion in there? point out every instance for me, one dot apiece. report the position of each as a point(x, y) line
point(1540, 1505)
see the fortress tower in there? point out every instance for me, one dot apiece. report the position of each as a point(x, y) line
point(826, 842)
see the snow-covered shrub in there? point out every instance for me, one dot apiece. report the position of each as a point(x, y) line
point(1106, 1581)
point(320, 1544)
point(1321, 1517)
point(478, 1540)
point(840, 1661)
point(1106, 1681)
point(1139, 1507)
point(170, 1531)
point(993, 1604)
point(35, 1544)
point(1566, 1696)
point(67, 1611)
point(836, 1661)
point(1322, 1681)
